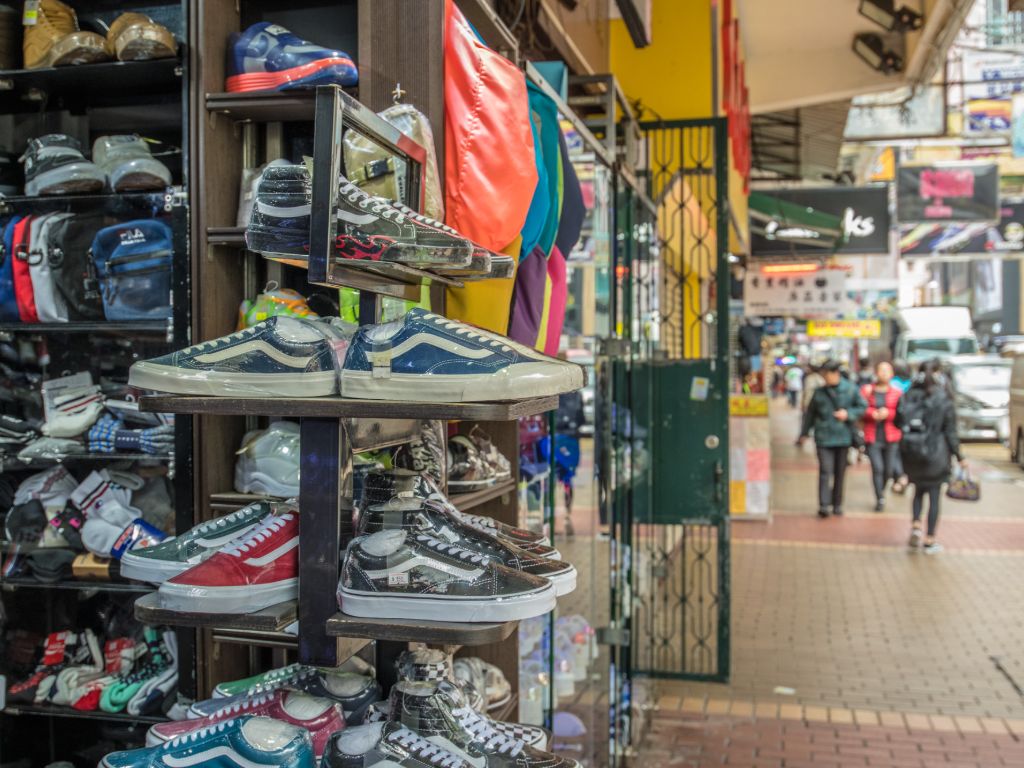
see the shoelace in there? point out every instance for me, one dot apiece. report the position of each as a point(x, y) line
point(483, 731)
point(272, 684)
point(416, 216)
point(478, 521)
point(199, 734)
point(446, 548)
point(243, 705)
point(498, 342)
point(423, 749)
point(220, 522)
point(371, 204)
point(264, 531)
point(207, 346)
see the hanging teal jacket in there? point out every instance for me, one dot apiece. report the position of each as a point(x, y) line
point(550, 155)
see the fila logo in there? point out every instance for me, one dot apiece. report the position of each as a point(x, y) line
point(132, 236)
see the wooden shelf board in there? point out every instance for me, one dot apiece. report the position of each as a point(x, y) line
point(340, 408)
point(149, 610)
point(467, 501)
point(415, 631)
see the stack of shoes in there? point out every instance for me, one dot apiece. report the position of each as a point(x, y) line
point(243, 741)
point(268, 461)
point(267, 57)
point(423, 357)
point(467, 470)
point(354, 692)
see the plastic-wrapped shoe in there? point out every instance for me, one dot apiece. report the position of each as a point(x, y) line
point(268, 461)
point(490, 454)
point(55, 39)
point(267, 57)
point(54, 165)
point(136, 37)
point(467, 471)
point(273, 302)
point(129, 164)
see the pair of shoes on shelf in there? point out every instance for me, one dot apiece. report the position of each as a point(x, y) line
point(423, 357)
point(55, 39)
point(55, 165)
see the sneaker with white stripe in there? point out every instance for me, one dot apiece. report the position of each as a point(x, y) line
point(251, 573)
point(429, 358)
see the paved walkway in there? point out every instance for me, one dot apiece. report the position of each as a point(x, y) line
point(849, 650)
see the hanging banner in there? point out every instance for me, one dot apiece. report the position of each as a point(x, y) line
point(990, 80)
point(821, 293)
point(863, 214)
point(845, 329)
point(1004, 238)
point(948, 192)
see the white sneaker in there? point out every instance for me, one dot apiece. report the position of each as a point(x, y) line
point(268, 461)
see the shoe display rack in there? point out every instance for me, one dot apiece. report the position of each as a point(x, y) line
point(86, 101)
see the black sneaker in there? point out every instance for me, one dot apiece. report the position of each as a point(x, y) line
point(386, 745)
point(380, 487)
point(55, 165)
point(400, 574)
point(823, 512)
point(433, 519)
point(369, 228)
point(425, 453)
point(837, 512)
point(440, 715)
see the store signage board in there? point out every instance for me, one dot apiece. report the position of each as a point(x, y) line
point(863, 211)
point(748, 406)
point(845, 329)
point(819, 294)
point(1005, 238)
point(948, 192)
point(990, 80)
point(904, 113)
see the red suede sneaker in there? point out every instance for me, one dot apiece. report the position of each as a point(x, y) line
point(321, 717)
point(254, 571)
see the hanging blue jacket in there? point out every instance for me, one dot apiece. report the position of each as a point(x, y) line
point(8, 304)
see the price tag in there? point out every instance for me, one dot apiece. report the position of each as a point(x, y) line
point(30, 16)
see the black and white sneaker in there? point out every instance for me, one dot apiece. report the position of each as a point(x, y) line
point(438, 713)
point(424, 454)
point(55, 165)
point(368, 228)
point(434, 520)
point(399, 574)
point(467, 470)
point(285, 356)
point(381, 486)
point(433, 665)
point(386, 745)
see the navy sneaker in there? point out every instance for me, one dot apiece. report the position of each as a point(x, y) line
point(282, 356)
point(429, 358)
point(369, 228)
point(267, 57)
point(433, 519)
point(244, 741)
point(55, 165)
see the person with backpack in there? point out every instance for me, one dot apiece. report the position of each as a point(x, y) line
point(832, 415)
point(927, 417)
point(881, 435)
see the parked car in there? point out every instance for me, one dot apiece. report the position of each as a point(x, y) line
point(981, 384)
point(1017, 411)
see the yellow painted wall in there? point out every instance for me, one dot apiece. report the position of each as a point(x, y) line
point(671, 76)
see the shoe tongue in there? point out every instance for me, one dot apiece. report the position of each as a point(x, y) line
point(268, 735)
point(294, 329)
point(452, 693)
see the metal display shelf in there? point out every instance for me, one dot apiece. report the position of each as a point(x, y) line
point(342, 408)
point(266, 106)
point(90, 85)
point(418, 631)
point(13, 463)
point(149, 610)
point(141, 327)
point(467, 501)
point(127, 587)
point(229, 236)
point(50, 710)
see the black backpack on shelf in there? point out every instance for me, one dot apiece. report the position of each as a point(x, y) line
point(68, 249)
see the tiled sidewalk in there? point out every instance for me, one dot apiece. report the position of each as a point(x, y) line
point(849, 650)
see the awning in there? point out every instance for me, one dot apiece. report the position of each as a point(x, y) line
point(782, 220)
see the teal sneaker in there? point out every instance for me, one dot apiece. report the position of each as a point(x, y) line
point(172, 556)
point(252, 742)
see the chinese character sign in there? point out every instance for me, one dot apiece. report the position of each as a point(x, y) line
point(821, 293)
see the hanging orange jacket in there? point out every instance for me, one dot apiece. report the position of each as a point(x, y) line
point(490, 169)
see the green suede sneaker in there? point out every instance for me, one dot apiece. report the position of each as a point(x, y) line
point(167, 559)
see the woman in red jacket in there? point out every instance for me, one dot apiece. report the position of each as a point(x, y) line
point(881, 435)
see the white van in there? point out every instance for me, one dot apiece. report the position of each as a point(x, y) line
point(927, 332)
point(1017, 411)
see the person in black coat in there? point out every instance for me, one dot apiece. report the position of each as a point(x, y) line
point(927, 417)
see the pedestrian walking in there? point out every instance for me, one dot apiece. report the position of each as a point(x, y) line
point(901, 379)
point(812, 381)
point(881, 435)
point(794, 384)
point(832, 415)
point(927, 417)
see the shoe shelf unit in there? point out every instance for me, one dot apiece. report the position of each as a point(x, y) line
point(154, 99)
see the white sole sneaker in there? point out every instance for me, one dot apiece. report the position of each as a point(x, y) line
point(527, 380)
point(189, 598)
point(180, 381)
point(447, 607)
point(564, 583)
point(150, 570)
